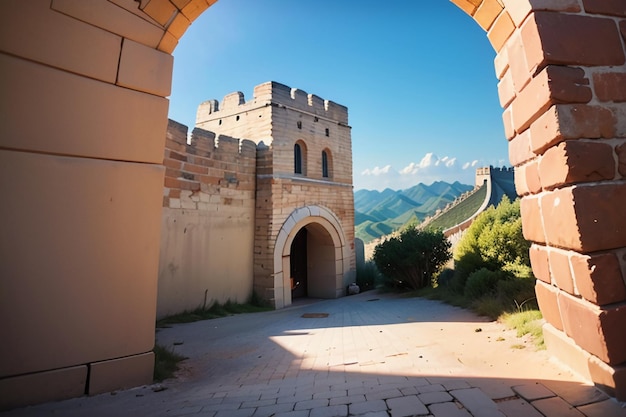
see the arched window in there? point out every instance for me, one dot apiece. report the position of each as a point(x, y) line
point(297, 158)
point(325, 164)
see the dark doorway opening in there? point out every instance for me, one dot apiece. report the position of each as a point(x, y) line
point(298, 260)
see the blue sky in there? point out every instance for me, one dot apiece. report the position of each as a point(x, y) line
point(417, 78)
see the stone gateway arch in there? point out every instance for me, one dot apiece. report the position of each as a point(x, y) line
point(84, 116)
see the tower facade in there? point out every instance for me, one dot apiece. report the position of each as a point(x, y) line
point(304, 205)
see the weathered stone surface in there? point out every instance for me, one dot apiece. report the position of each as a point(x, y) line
point(559, 38)
point(599, 278)
point(598, 331)
point(576, 161)
point(548, 303)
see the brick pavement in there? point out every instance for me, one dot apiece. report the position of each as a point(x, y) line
point(373, 355)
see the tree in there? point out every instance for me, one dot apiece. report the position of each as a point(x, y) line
point(411, 259)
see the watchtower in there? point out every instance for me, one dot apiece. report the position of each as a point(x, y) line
point(304, 221)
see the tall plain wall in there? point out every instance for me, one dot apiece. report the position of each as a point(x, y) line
point(207, 228)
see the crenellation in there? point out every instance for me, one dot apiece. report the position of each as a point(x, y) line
point(233, 100)
point(234, 104)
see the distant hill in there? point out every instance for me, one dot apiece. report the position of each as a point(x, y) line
point(378, 213)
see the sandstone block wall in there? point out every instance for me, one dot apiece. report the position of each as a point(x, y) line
point(561, 68)
point(208, 220)
point(279, 117)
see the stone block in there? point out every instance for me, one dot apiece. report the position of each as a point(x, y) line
point(468, 6)
point(556, 5)
point(42, 387)
point(519, 149)
point(555, 84)
point(112, 18)
point(611, 379)
point(162, 11)
point(532, 220)
point(30, 29)
point(539, 260)
point(406, 406)
point(569, 39)
point(487, 13)
point(518, 66)
point(501, 31)
point(562, 122)
point(605, 7)
point(520, 180)
point(131, 371)
point(532, 392)
point(547, 298)
point(560, 270)
point(179, 25)
point(532, 177)
point(501, 63)
point(96, 120)
point(506, 90)
point(477, 402)
point(599, 278)
point(518, 10)
point(585, 219)
point(597, 330)
point(145, 69)
point(101, 250)
point(610, 86)
point(556, 406)
point(195, 8)
point(566, 351)
point(577, 161)
point(602, 409)
point(168, 43)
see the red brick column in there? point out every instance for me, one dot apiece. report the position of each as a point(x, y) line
point(563, 89)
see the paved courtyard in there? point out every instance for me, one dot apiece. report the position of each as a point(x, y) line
point(366, 355)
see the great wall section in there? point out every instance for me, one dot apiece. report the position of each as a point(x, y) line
point(491, 184)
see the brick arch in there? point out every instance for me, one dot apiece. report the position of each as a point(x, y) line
point(298, 219)
point(97, 76)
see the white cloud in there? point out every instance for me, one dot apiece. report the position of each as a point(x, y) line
point(376, 171)
point(429, 169)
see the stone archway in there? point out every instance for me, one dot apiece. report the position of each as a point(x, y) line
point(83, 179)
point(327, 231)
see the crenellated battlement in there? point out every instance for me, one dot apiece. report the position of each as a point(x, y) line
point(272, 93)
point(205, 165)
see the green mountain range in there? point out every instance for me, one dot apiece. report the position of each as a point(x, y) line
point(379, 213)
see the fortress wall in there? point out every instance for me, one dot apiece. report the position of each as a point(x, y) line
point(251, 119)
point(208, 220)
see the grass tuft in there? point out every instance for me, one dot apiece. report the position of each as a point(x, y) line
point(165, 362)
point(526, 322)
point(217, 310)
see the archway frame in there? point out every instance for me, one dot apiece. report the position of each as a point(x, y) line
point(561, 71)
point(298, 219)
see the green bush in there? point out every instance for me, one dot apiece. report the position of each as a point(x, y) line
point(494, 242)
point(483, 283)
point(410, 260)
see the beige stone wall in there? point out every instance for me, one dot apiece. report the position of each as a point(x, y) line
point(208, 221)
point(280, 116)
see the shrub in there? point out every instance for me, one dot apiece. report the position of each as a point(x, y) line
point(483, 283)
point(411, 259)
point(494, 242)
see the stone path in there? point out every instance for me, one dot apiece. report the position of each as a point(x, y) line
point(366, 355)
